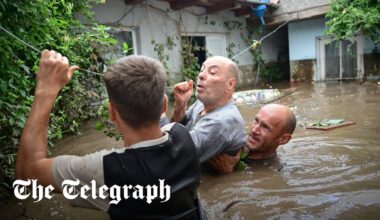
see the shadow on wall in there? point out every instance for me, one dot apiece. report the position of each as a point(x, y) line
point(372, 65)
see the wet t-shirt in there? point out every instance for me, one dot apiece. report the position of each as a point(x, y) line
point(273, 162)
point(219, 131)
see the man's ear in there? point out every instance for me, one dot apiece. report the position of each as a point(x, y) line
point(231, 83)
point(285, 139)
point(112, 112)
point(164, 104)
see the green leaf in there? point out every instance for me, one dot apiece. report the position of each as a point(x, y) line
point(99, 126)
point(125, 46)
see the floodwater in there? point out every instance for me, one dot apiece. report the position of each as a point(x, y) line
point(318, 175)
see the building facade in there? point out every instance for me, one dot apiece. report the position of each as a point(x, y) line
point(313, 56)
point(299, 49)
point(152, 28)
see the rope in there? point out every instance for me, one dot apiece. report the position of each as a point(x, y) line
point(261, 39)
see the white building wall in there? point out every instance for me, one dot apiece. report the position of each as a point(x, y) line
point(302, 35)
point(154, 20)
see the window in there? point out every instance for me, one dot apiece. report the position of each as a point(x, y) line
point(339, 59)
point(193, 47)
point(123, 35)
point(202, 47)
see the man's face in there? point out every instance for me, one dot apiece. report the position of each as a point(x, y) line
point(212, 81)
point(266, 131)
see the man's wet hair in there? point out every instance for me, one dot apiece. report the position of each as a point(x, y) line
point(136, 86)
point(291, 123)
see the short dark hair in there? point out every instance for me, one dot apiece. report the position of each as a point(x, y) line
point(291, 123)
point(136, 87)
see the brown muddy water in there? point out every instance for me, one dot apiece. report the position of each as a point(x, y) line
point(318, 175)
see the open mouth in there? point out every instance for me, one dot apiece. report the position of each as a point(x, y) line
point(253, 139)
point(200, 87)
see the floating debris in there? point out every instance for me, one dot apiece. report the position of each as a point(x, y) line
point(259, 96)
point(251, 97)
point(329, 124)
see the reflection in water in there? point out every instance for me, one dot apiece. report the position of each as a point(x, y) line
point(318, 174)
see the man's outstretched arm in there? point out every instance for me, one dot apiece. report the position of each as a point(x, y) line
point(31, 163)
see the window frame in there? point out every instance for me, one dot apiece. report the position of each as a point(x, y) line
point(126, 29)
point(321, 53)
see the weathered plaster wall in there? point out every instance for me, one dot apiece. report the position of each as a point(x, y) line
point(302, 48)
point(247, 76)
point(298, 10)
point(289, 6)
point(303, 70)
point(154, 20)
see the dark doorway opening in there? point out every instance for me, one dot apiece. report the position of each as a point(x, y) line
point(193, 50)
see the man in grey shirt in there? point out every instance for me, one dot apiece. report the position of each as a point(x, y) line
point(216, 125)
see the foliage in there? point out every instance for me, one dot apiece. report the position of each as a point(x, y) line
point(272, 73)
point(348, 17)
point(190, 60)
point(104, 122)
point(230, 51)
point(162, 50)
point(269, 72)
point(232, 25)
point(241, 165)
point(213, 23)
point(50, 25)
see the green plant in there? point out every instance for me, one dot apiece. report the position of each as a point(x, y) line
point(190, 61)
point(50, 25)
point(232, 25)
point(230, 51)
point(162, 50)
point(241, 165)
point(272, 73)
point(348, 17)
point(105, 124)
point(213, 23)
point(191, 72)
